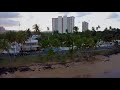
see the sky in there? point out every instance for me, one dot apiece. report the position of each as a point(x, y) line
point(25, 20)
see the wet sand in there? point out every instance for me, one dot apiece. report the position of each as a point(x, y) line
point(75, 70)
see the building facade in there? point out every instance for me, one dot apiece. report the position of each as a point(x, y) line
point(84, 26)
point(2, 29)
point(63, 24)
point(31, 44)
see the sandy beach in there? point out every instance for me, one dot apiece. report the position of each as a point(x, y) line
point(75, 70)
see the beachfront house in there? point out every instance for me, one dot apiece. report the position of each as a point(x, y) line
point(31, 44)
point(14, 48)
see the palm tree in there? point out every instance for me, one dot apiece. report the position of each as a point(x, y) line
point(93, 29)
point(97, 27)
point(78, 43)
point(21, 38)
point(4, 45)
point(11, 37)
point(88, 46)
point(48, 28)
point(28, 32)
point(75, 29)
point(36, 28)
point(29, 35)
point(110, 27)
point(106, 29)
point(44, 43)
point(67, 31)
point(69, 42)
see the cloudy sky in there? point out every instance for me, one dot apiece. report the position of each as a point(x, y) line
point(11, 20)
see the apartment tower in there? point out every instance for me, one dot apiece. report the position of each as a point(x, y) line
point(61, 24)
point(84, 26)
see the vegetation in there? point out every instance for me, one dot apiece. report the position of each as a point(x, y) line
point(80, 44)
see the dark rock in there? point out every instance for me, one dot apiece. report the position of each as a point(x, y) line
point(23, 69)
point(12, 70)
point(3, 70)
point(5, 73)
point(66, 66)
point(48, 66)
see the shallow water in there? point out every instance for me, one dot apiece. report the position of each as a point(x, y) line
point(113, 74)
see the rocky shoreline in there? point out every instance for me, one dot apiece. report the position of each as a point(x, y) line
point(11, 70)
point(81, 69)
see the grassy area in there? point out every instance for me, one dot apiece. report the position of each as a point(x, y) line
point(20, 60)
point(25, 60)
point(105, 52)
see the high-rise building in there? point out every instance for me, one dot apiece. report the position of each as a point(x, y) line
point(61, 24)
point(55, 24)
point(2, 29)
point(84, 26)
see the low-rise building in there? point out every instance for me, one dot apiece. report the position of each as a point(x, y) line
point(31, 44)
point(15, 48)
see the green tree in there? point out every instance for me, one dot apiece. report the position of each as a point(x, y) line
point(97, 27)
point(67, 31)
point(36, 29)
point(4, 45)
point(10, 36)
point(110, 27)
point(55, 32)
point(75, 29)
point(93, 28)
point(21, 38)
point(106, 29)
point(29, 33)
point(88, 47)
point(50, 54)
point(44, 43)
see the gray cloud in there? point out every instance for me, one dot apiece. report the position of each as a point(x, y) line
point(64, 13)
point(9, 15)
point(81, 14)
point(8, 23)
point(112, 16)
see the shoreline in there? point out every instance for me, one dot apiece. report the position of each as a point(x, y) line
point(72, 70)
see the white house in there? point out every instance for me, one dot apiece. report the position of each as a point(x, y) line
point(14, 48)
point(31, 44)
